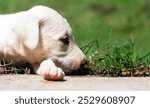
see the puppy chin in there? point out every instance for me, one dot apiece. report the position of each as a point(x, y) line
point(68, 66)
point(65, 68)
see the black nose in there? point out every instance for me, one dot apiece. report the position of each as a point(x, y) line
point(84, 61)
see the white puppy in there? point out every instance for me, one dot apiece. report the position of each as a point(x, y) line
point(41, 37)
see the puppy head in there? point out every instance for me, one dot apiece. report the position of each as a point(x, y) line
point(53, 33)
point(58, 42)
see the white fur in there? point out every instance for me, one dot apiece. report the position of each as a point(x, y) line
point(34, 36)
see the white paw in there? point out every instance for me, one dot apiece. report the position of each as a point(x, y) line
point(49, 71)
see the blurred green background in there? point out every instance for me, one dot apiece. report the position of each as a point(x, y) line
point(110, 20)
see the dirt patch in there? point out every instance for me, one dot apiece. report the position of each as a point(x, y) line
point(140, 72)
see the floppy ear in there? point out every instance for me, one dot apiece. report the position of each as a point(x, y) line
point(26, 28)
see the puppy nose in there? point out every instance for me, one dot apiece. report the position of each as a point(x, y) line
point(84, 61)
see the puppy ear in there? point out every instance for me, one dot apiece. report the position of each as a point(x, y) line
point(26, 28)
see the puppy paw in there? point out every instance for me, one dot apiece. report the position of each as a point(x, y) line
point(49, 71)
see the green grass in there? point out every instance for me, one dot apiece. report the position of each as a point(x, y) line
point(113, 59)
point(111, 21)
point(11, 68)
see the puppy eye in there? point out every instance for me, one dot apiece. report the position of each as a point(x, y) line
point(65, 39)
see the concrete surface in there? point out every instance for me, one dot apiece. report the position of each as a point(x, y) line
point(87, 83)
